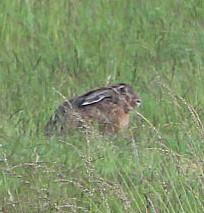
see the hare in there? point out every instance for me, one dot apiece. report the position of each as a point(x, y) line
point(107, 107)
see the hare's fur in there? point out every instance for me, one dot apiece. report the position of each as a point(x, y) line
point(107, 106)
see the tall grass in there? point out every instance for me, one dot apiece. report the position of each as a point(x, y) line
point(73, 46)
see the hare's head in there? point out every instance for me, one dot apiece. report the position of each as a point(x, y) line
point(127, 96)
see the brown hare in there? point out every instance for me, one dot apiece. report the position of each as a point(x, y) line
point(107, 107)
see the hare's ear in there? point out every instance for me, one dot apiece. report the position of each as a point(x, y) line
point(92, 100)
point(95, 97)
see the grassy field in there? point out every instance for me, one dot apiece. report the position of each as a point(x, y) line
point(50, 47)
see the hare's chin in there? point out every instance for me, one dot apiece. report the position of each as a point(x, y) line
point(138, 104)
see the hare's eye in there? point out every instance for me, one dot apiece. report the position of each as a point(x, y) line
point(122, 90)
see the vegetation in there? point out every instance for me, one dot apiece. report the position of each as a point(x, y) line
point(53, 48)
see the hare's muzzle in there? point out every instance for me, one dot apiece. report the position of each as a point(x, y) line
point(138, 102)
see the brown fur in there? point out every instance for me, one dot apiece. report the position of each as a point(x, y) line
point(108, 107)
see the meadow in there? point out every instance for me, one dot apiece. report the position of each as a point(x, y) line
point(50, 49)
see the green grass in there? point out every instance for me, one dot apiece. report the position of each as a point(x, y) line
point(47, 47)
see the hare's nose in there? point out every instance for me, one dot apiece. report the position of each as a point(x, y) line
point(139, 102)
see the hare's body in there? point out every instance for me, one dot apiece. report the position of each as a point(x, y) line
point(107, 107)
